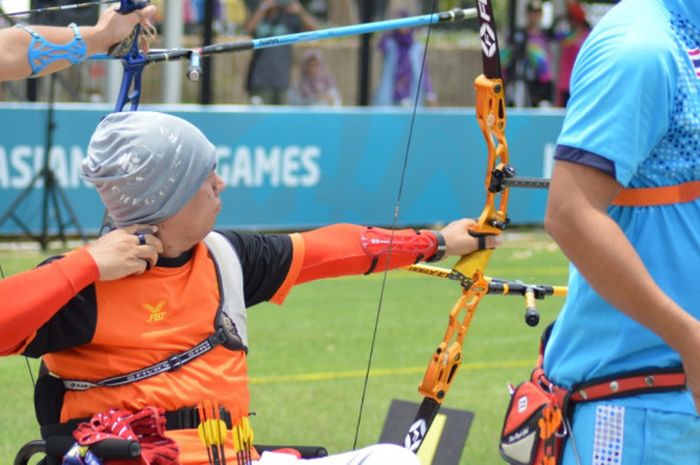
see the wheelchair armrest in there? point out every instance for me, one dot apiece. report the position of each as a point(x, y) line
point(56, 447)
point(307, 452)
point(28, 450)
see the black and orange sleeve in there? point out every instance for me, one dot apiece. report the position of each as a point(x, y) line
point(347, 249)
point(31, 298)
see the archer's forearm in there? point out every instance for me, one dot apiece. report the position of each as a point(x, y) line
point(347, 249)
point(14, 44)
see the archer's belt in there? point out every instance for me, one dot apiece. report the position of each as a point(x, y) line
point(184, 418)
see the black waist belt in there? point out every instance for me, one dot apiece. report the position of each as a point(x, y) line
point(184, 418)
point(188, 418)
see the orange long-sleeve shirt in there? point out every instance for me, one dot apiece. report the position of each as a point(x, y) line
point(30, 299)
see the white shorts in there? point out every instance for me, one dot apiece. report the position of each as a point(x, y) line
point(380, 454)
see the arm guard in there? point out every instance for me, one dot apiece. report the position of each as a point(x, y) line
point(346, 249)
point(42, 53)
point(378, 242)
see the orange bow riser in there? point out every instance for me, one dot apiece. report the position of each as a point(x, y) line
point(469, 269)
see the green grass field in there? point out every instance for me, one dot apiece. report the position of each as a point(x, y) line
point(308, 358)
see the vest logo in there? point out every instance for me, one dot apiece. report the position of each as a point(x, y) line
point(156, 312)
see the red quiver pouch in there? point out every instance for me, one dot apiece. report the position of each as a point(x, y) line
point(534, 429)
point(538, 418)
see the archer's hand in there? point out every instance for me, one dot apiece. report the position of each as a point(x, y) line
point(118, 253)
point(113, 27)
point(459, 242)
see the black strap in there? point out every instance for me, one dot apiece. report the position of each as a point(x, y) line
point(170, 364)
point(188, 418)
point(372, 266)
point(441, 248)
point(184, 418)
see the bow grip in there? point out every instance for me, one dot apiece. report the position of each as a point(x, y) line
point(128, 6)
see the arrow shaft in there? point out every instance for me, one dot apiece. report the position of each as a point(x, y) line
point(159, 55)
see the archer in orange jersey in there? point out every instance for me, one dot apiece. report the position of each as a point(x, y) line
point(175, 336)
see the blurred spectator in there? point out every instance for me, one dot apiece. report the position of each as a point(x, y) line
point(528, 62)
point(572, 35)
point(234, 15)
point(269, 69)
point(402, 62)
point(316, 85)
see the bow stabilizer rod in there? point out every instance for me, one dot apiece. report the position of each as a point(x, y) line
point(498, 286)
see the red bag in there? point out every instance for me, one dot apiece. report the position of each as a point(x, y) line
point(536, 424)
point(534, 430)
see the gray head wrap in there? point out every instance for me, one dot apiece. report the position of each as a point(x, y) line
point(146, 166)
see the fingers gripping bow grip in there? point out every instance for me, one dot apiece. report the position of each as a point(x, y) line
point(469, 268)
point(129, 45)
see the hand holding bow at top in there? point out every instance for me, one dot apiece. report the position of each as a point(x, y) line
point(116, 27)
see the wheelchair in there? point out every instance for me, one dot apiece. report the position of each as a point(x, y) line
point(57, 439)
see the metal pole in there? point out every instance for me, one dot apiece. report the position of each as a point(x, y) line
point(207, 65)
point(172, 31)
point(365, 64)
point(113, 76)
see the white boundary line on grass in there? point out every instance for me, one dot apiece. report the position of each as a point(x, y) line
point(383, 372)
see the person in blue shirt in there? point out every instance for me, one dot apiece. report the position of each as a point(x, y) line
point(624, 207)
